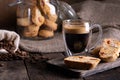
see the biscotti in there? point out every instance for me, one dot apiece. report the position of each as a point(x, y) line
point(110, 50)
point(38, 20)
point(52, 25)
point(49, 12)
point(37, 17)
point(46, 33)
point(23, 21)
point(95, 51)
point(81, 62)
point(31, 31)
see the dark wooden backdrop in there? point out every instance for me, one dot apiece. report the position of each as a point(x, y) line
point(7, 14)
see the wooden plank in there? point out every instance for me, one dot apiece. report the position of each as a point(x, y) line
point(41, 71)
point(113, 74)
point(13, 70)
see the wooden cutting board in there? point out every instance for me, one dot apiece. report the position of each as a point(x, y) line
point(59, 63)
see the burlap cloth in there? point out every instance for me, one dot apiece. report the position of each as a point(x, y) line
point(54, 44)
point(106, 13)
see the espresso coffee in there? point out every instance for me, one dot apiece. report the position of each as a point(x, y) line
point(76, 38)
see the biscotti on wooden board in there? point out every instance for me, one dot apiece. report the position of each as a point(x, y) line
point(81, 62)
point(110, 50)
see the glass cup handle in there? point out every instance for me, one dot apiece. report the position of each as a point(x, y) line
point(99, 37)
point(67, 53)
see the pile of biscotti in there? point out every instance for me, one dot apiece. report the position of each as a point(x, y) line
point(107, 52)
point(40, 20)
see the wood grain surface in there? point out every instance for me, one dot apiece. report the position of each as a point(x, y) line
point(13, 70)
point(39, 70)
point(107, 75)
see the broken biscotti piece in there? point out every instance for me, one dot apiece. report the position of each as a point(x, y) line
point(81, 62)
point(110, 50)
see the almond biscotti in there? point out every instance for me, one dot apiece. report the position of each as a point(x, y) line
point(37, 17)
point(31, 31)
point(110, 50)
point(24, 22)
point(46, 33)
point(81, 62)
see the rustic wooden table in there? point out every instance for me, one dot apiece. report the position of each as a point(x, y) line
point(38, 70)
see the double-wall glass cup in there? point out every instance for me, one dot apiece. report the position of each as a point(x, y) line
point(77, 36)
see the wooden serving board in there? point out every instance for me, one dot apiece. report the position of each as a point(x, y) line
point(59, 63)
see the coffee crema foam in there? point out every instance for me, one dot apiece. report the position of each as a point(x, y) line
point(76, 29)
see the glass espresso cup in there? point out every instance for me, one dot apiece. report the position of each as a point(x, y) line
point(77, 35)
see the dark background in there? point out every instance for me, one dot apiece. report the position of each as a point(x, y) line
point(8, 14)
